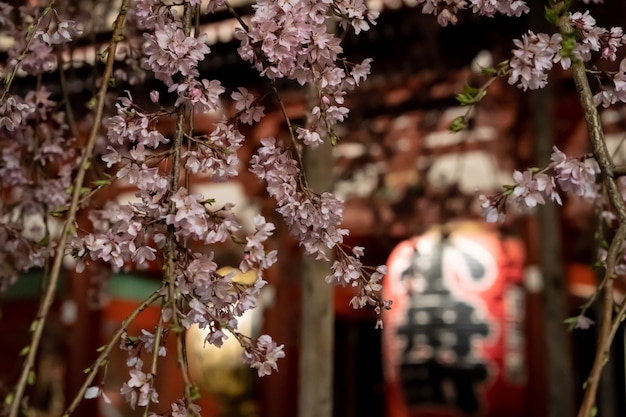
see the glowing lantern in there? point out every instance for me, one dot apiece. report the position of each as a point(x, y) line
point(453, 340)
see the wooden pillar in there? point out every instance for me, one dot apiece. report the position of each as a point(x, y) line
point(317, 332)
point(558, 357)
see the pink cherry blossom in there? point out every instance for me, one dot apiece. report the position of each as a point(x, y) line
point(313, 219)
point(248, 111)
point(574, 175)
point(532, 58)
point(63, 31)
point(492, 208)
point(170, 52)
point(138, 389)
point(264, 355)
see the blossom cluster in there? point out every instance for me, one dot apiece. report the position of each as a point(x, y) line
point(447, 10)
point(573, 176)
point(139, 389)
point(215, 300)
point(348, 270)
point(59, 32)
point(291, 40)
point(134, 233)
point(535, 54)
point(35, 43)
point(38, 154)
point(264, 355)
point(533, 58)
point(215, 155)
point(249, 111)
point(313, 219)
point(172, 55)
point(37, 162)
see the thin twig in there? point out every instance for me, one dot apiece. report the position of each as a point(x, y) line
point(48, 297)
point(169, 267)
point(155, 355)
point(71, 120)
point(104, 354)
point(619, 171)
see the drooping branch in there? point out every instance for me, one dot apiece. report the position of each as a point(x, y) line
point(169, 268)
point(106, 351)
point(48, 297)
point(71, 120)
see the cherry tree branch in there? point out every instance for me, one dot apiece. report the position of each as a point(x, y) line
point(169, 268)
point(48, 297)
point(104, 354)
point(71, 120)
point(608, 327)
point(603, 157)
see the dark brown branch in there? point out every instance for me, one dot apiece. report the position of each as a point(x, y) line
point(605, 161)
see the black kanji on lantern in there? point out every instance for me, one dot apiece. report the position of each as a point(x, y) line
point(438, 364)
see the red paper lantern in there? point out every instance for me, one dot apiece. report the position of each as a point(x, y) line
point(453, 341)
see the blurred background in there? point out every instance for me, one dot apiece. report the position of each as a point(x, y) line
point(477, 325)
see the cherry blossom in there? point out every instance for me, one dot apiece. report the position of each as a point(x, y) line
point(313, 219)
point(138, 390)
point(533, 58)
point(170, 52)
point(263, 355)
point(492, 208)
point(94, 392)
point(179, 409)
point(249, 112)
point(215, 155)
point(611, 94)
point(574, 175)
point(64, 31)
point(447, 10)
point(13, 112)
point(531, 189)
